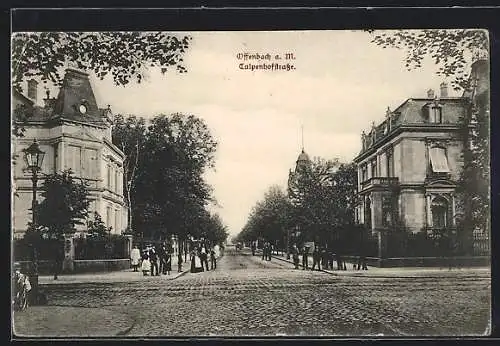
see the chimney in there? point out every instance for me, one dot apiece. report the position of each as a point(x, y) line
point(444, 89)
point(32, 89)
point(430, 94)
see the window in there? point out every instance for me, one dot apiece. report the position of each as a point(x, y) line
point(438, 160)
point(364, 172)
point(117, 180)
point(108, 169)
point(439, 209)
point(108, 216)
point(390, 163)
point(75, 159)
point(374, 168)
point(436, 115)
point(117, 220)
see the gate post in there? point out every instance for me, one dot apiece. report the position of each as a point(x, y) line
point(69, 254)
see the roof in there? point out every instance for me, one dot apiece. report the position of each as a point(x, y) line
point(303, 156)
point(75, 91)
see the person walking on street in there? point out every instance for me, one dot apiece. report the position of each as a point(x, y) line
point(253, 248)
point(264, 251)
point(316, 258)
point(167, 267)
point(153, 258)
point(305, 258)
point(269, 251)
point(213, 260)
point(330, 259)
point(179, 262)
point(295, 256)
point(324, 258)
point(204, 258)
point(162, 257)
point(135, 258)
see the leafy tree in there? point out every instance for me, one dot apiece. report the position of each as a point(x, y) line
point(177, 151)
point(126, 55)
point(97, 228)
point(214, 229)
point(454, 52)
point(64, 206)
point(129, 135)
point(269, 219)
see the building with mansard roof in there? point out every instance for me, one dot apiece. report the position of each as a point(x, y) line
point(410, 163)
point(74, 132)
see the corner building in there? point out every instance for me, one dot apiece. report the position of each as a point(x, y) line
point(74, 133)
point(409, 164)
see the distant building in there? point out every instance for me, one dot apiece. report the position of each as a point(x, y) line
point(409, 164)
point(74, 133)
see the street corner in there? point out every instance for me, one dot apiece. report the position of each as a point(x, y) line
point(63, 321)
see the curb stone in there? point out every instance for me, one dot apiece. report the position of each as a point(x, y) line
point(359, 275)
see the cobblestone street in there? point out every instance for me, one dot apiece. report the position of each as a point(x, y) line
point(248, 296)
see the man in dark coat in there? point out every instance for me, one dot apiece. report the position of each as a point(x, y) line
point(305, 258)
point(162, 254)
point(153, 258)
point(213, 260)
point(316, 258)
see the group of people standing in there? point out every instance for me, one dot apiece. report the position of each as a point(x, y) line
point(154, 260)
point(267, 251)
point(323, 258)
point(199, 259)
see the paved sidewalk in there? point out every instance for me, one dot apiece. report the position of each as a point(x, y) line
point(60, 321)
point(406, 272)
point(126, 275)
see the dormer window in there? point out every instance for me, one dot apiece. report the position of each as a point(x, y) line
point(436, 116)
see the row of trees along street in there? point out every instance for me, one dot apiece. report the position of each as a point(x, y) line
point(165, 159)
point(165, 190)
point(318, 206)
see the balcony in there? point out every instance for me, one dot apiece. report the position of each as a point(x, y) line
point(380, 182)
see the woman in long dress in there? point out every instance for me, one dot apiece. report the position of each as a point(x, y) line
point(135, 258)
point(168, 262)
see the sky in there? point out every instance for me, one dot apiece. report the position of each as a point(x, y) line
point(340, 84)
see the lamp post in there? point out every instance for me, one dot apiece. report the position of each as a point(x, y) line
point(33, 158)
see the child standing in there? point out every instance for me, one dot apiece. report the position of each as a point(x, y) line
point(146, 264)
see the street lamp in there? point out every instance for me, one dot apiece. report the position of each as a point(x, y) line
point(33, 157)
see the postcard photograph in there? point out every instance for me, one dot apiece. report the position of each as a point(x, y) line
point(250, 183)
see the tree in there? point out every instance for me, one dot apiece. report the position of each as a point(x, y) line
point(64, 206)
point(177, 150)
point(126, 55)
point(269, 218)
point(129, 135)
point(454, 52)
point(97, 228)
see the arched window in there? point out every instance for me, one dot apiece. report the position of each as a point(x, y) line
point(439, 209)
